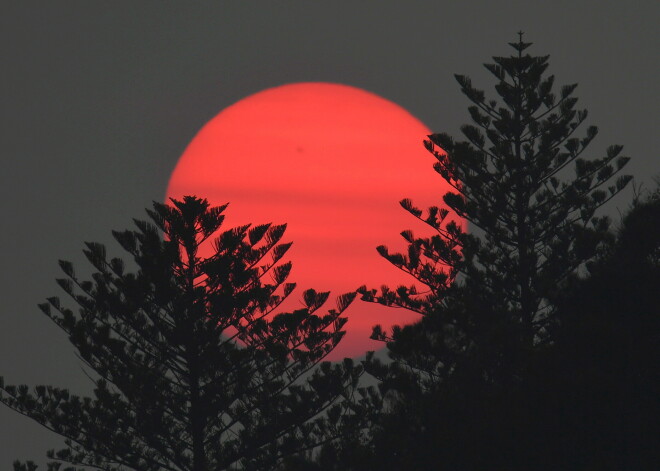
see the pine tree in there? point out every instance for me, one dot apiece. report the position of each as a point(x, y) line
point(488, 299)
point(532, 222)
point(192, 370)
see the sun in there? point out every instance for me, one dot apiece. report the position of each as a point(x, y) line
point(333, 162)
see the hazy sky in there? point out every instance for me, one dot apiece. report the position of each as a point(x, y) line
point(99, 99)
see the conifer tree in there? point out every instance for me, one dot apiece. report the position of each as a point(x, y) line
point(192, 370)
point(523, 183)
point(456, 385)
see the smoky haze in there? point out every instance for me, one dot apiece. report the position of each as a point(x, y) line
point(98, 103)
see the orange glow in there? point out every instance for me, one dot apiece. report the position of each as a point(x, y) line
point(333, 162)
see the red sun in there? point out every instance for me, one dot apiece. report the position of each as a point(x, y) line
point(333, 162)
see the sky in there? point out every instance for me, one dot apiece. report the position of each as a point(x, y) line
point(99, 100)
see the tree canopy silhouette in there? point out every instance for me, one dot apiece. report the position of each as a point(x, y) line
point(597, 387)
point(459, 387)
point(588, 400)
point(192, 369)
point(532, 222)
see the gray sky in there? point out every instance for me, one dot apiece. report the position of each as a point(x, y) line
point(98, 102)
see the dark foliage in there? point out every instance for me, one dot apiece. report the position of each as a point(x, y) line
point(488, 294)
point(473, 385)
point(192, 370)
point(534, 224)
point(586, 401)
point(599, 383)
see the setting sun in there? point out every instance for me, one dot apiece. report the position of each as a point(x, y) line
point(333, 162)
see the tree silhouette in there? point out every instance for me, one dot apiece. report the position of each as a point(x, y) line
point(192, 371)
point(458, 387)
point(533, 224)
point(596, 387)
point(588, 400)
